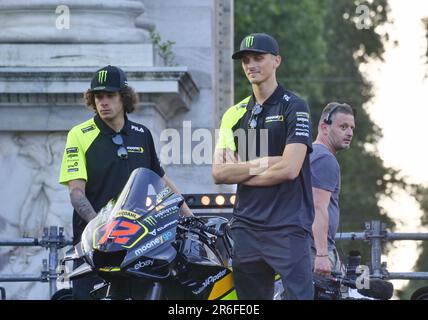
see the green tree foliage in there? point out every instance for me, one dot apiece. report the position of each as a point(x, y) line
point(322, 45)
point(421, 194)
point(298, 27)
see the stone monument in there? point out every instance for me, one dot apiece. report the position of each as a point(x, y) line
point(48, 53)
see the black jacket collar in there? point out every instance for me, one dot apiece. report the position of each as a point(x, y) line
point(106, 130)
point(275, 97)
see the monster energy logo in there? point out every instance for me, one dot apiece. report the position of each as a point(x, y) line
point(150, 220)
point(102, 76)
point(249, 41)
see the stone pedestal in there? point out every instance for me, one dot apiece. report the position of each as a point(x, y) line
point(90, 21)
point(82, 55)
point(50, 99)
point(73, 33)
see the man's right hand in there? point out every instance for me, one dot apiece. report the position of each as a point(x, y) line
point(322, 266)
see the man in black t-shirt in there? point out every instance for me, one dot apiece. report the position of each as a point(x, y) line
point(273, 212)
point(101, 153)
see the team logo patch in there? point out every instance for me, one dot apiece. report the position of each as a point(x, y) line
point(72, 155)
point(139, 129)
point(87, 129)
point(302, 114)
point(274, 118)
point(135, 149)
point(72, 164)
point(72, 150)
point(302, 124)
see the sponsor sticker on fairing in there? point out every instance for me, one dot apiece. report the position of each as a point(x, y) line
point(142, 264)
point(210, 280)
point(154, 243)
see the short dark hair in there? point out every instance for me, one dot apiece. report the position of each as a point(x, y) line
point(333, 108)
point(128, 95)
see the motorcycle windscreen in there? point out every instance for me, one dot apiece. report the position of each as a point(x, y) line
point(120, 227)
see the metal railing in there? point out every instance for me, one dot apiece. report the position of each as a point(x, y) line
point(53, 239)
point(376, 234)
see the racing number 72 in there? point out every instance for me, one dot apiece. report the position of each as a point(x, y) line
point(118, 231)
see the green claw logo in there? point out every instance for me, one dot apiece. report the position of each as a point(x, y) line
point(151, 221)
point(249, 41)
point(102, 76)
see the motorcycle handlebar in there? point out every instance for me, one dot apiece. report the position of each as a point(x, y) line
point(194, 222)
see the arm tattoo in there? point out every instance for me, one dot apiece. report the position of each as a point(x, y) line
point(82, 205)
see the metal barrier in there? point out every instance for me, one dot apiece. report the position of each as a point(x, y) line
point(376, 233)
point(53, 239)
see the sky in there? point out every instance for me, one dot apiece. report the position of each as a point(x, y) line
point(399, 107)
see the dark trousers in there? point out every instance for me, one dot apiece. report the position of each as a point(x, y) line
point(83, 286)
point(258, 255)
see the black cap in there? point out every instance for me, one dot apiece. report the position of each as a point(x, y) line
point(108, 78)
point(258, 43)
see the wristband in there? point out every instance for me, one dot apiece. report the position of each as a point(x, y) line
point(322, 255)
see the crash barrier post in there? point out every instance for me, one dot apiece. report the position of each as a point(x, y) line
point(53, 239)
point(375, 233)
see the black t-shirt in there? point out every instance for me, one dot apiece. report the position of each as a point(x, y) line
point(286, 118)
point(91, 155)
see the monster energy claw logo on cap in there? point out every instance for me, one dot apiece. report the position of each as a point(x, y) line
point(102, 76)
point(109, 78)
point(249, 40)
point(259, 43)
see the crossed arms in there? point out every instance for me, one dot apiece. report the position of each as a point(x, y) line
point(267, 171)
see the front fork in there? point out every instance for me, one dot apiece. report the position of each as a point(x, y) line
point(155, 292)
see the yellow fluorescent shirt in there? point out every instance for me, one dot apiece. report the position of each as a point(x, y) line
point(79, 139)
point(230, 119)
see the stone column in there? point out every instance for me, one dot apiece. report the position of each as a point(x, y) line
point(202, 34)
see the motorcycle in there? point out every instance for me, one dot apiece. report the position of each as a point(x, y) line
point(143, 250)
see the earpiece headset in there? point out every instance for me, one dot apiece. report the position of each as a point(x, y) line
point(327, 120)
